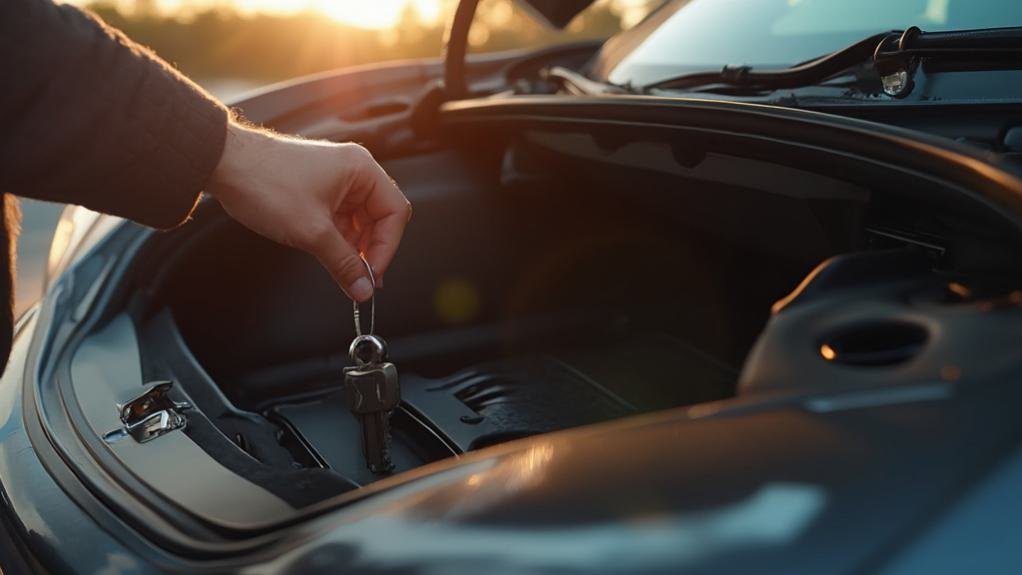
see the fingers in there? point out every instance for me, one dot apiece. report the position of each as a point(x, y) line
point(353, 227)
point(390, 213)
point(374, 212)
point(342, 261)
point(383, 243)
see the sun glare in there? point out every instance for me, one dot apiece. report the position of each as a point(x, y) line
point(363, 13)
point(374, 14)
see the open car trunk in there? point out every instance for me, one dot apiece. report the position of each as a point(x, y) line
point(552, 277)
point(516, 308)
point(519, 305)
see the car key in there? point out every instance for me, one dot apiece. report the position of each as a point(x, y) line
point(371, 392)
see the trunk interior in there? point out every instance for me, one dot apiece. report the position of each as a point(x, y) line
point(524, 300)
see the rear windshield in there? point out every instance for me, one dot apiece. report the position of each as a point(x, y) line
point(691, 35)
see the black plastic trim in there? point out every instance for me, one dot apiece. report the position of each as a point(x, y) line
point(812, 140)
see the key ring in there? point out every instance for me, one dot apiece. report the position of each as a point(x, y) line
point(366, 350)
point(356, 307)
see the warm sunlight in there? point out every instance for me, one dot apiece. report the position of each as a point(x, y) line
point(375, 14)
point(233, 46)
point(372, 14)
point(368, 14)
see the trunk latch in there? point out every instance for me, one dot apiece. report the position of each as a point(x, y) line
point(150, 415)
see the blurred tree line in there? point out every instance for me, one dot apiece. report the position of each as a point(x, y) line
point(223, 43)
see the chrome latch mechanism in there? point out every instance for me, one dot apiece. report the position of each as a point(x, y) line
point(895, 63)
point(150, 415)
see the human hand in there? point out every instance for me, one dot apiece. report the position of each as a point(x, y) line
point(331, 200)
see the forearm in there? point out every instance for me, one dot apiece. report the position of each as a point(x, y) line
point(96, 120)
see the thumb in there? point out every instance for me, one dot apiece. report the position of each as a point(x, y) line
point(344, 264)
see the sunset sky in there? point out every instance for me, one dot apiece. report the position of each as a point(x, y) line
point(367, 14)
point(363, 13)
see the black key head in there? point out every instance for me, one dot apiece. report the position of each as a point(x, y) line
point(371, 389)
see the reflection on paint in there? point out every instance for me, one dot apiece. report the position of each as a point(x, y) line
point(60, 242)
point(959, 290)
point(775, 514)
point(485, 489)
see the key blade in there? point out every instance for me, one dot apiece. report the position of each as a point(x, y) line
point(376, 441)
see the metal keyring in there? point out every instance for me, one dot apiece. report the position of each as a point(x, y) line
point(378, 350)
point(372, 304)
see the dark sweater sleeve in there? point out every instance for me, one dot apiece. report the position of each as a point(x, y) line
point(88, 117)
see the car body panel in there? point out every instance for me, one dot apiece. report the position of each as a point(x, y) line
point(48, 523)
point(107, 371)
point(783, 489)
